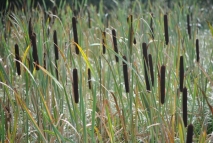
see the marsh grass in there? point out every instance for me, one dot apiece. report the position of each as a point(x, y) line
point(88, 100)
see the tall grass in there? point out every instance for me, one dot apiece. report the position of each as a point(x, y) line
point(106, 87)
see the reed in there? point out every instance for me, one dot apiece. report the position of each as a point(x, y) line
point(35, 53)
point(115, 44)
point(181, 71)
point(125, 73)
point(184, 106)
point(151, 69)
point(75, 34)
point(188, 26)
point(197, 50)
point(189, 134)
point(18, 59)
point(162, 83)
point(145, 57)
point(166, 29)
point(75, 85)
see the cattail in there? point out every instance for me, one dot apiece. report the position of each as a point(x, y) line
point(151, 26)
point(129, 21)
point(75, 85)
point(54, 11)
point(115, 44)
point(18, 67)
point(89, 18)
point(56, 69)
point(184, 103)
point(89, 79)
point(134, 41)
point(125, 72)
point(145, 57)
point(55, 45)
point(162, 83)
point(166, 29)
point(151, 69)
point(30, 30)
point(44, 60)
point(35, 53)
point(197, 50)
point(75, 34)
point(181, 68)
point(188, 26)
point(104, 41)
point(189, 134)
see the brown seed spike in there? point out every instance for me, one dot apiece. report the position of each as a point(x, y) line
point(35, 53)
point(115, 44)
point(184, 107)
point(125, 73)
point(181, 71)
point(18, 67)
point(145, 57)
point(188, 26)
point(75, 85)
point(151, 26)
point(75, 34)
point(89, 18)
point(151, 69)
point(189, 134)
point(30, 30)
point(197, 50)
point(55, 45)
point(104, 41)
point(162, 83)
point(89, 79)
point(166, 29)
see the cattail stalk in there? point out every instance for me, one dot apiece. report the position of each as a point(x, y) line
point(104, 41)
point(181, 71)
point(75, 85)
point(166, 29)
point(189, 134)
point(151, 69)
point(55, 44)
point(188, 26)
point(115, 44)
point(75, 34)
point(18, 59)
point(162, 83)
point(197, 50)
point(89, 79)
point(184, 107)
point(35, 53)
point(145, 57)
point(125, 73)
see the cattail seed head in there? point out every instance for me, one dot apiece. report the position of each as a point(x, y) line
point(75, 85)
point(134, 41)
point(75, 34)
point(89, 18)
point(44, 60)
point(188, 26)
point(151, 69)
point(115, 44)
point(35, 53)
point(189, 134)
point(181, 71)
point(184, 103)
point(151, 26)
point(30, 30)
point(197, 50)
point(125, 73)
point(162, 83)
point(166, 29)
point(89, 79)
point(55, 44)
point(145, 57)
point(104, 41)
point(17, 57)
